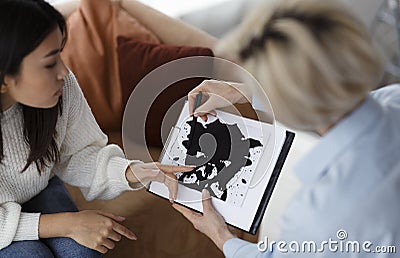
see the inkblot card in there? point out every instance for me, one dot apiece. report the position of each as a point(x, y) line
point(234, 159)
point(225, 153)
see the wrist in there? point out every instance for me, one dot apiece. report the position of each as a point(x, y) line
point(130, 177)
point(56, 225)
point(133, 181)
point(70, 219)
point(222, 236)
point(244, 95)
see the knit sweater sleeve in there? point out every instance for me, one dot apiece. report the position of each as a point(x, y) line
point(87, 161)
point(16, 225)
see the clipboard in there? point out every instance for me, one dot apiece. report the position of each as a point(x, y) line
point(249, 214)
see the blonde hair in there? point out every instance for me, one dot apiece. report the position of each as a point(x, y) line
point(315, 61)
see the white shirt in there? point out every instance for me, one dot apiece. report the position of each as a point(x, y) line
point(351, 188)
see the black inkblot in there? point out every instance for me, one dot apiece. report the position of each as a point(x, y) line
point(248, 162)
point(220, 142)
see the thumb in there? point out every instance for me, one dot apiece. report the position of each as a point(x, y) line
point(206, 200)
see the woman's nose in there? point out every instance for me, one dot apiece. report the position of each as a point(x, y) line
point(63, 72)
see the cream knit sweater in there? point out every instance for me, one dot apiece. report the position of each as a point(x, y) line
point(86, 162)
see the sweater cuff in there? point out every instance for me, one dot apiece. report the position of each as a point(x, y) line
point(28, 227)
point(118, 179)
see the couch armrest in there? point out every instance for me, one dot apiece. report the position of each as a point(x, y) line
point(169, 30)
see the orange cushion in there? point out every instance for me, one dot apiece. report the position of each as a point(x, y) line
point(136, 60)
point(91, 54)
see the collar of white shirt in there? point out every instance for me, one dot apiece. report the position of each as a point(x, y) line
point(337, 140)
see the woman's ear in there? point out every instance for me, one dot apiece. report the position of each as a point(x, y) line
point(7, 81)
point(3, 88)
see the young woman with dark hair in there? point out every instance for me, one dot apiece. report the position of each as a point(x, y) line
point(49, 136)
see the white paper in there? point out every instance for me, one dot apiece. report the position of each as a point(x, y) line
point(242, 201)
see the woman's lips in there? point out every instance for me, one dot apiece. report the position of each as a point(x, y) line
point(59, 92)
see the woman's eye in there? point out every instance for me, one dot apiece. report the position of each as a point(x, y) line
point(51, 65)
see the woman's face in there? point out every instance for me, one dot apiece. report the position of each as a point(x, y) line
point(41, 77)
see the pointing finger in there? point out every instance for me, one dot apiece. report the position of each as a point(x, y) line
point(111, 216)
point(175, 169)
point(124, 231)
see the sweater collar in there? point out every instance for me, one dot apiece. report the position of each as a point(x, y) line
point(10, 112)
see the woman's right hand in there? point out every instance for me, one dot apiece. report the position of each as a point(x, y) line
point(97, 230)
point(216, 94)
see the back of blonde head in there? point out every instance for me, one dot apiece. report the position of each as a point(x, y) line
point(315, 61)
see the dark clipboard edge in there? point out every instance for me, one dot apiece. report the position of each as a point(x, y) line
point(268, 191)
point(272, 182)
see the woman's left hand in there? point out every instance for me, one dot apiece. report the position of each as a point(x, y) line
point(144, 173)
point(210, 223)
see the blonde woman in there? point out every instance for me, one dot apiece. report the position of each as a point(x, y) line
point(316, 63)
